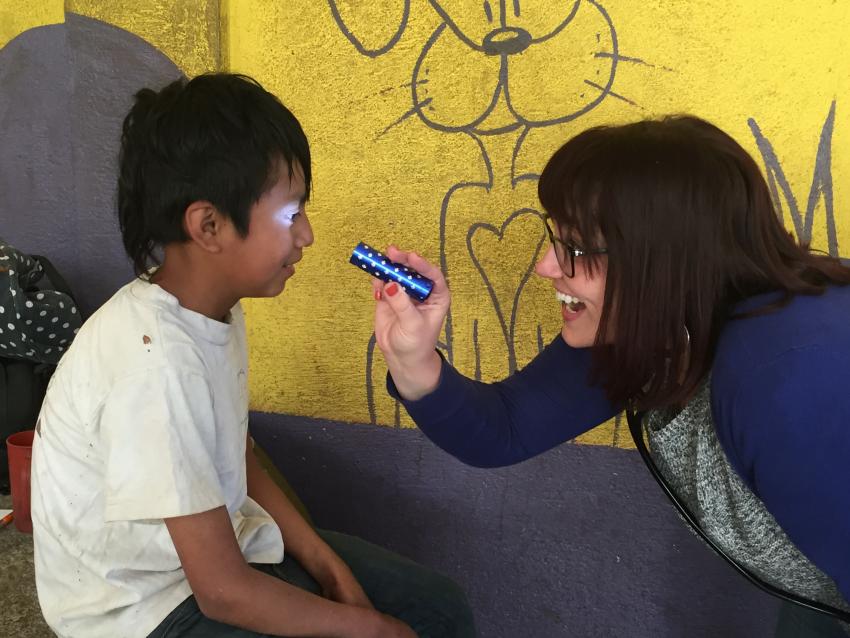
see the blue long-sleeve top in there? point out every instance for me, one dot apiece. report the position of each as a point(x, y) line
point(780, 398)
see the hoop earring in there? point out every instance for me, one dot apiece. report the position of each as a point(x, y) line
point(686, 355)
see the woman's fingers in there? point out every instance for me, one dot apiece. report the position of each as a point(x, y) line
point(419, 264)
point(396, 254)
point(425, 267)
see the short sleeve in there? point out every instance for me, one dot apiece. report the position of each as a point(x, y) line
point(158, 432)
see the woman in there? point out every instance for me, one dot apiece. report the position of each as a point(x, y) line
point(682, 297)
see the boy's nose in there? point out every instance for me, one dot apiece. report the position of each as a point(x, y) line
point(304, 233)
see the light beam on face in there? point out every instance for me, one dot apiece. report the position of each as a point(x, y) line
point(286, 215)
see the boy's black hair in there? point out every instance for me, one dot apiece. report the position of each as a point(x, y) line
point(219, 137)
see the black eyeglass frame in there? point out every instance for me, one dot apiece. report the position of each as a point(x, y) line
point(568, 249)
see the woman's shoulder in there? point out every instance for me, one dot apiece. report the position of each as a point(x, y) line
point(803, 344)
point(776, 373)
point(808, 325)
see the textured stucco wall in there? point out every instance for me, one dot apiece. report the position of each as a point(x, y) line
point(15, 19)
point(579, 541)
point(187, 31)
point(576, 543)
point(425, 136)
point(64, 90)
point(430, 122)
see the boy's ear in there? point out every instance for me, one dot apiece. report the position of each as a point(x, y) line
point(204, 225)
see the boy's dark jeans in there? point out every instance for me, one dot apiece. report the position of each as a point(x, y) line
point(797, 622)
point(433, 605)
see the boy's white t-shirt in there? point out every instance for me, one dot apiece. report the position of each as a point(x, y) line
point(145, 418)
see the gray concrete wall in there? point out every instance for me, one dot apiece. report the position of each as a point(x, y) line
point(578, 542)
point(64, 90)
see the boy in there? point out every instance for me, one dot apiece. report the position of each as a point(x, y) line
point(148, 504)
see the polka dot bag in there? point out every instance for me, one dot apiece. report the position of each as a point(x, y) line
point(38, 321)
point(38, 315)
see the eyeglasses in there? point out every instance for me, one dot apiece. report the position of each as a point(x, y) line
point(567, 252)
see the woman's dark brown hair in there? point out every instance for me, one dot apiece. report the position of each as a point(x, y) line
point(691, 230)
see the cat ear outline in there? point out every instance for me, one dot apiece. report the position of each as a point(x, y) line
point(361, 48)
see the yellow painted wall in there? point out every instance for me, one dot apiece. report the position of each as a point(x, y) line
point(15, 19)
point(388, 162)
point(187, 31)
point(782, 64)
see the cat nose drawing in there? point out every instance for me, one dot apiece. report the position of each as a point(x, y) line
point(479, 74)
point(506, 41)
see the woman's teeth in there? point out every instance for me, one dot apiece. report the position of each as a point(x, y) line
point(574, 303)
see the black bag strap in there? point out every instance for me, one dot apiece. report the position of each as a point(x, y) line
point(57, 281)
point(4, 399)
point(22, 387)
point(4, 419)
point(635, 427)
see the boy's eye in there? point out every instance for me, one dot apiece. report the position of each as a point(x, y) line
point(288, 213)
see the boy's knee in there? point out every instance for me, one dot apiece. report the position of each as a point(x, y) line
point(454, 614)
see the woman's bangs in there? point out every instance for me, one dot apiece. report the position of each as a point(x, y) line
point(569, 191)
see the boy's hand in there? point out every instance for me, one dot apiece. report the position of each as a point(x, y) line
point(341, 586)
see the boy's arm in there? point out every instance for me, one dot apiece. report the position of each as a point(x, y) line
point(299, 538)
point(230, 591)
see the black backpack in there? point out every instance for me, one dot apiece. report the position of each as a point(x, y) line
point(38, 321)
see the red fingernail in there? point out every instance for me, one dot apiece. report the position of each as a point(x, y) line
point(392, 289)
point(377, 295)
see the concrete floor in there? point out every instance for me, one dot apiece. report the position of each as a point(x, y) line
point(20, 615)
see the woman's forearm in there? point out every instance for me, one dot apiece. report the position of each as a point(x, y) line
point(493, 424)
